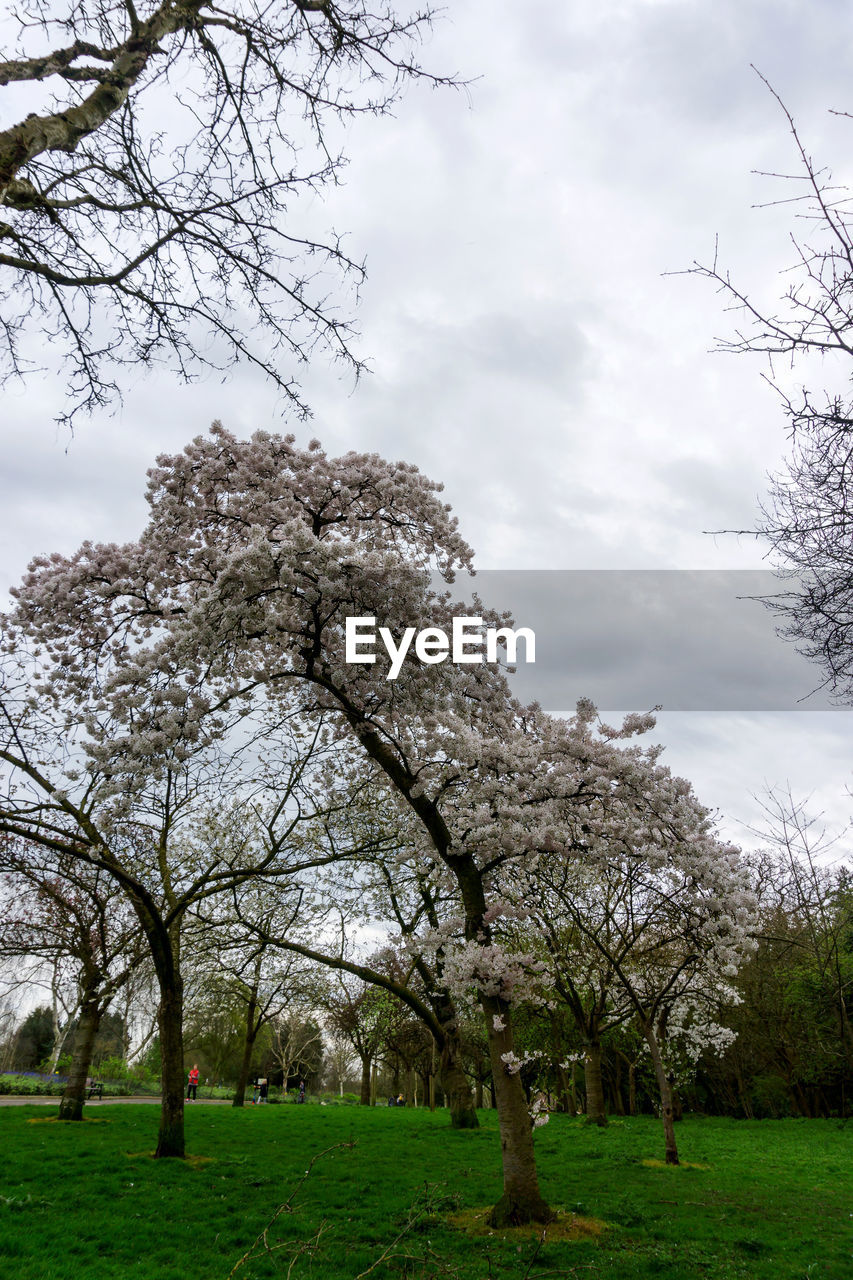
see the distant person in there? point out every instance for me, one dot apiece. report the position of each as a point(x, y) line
point(301, 1097)
point(401, 1101)
point(262, 1090)
point(192, 1083)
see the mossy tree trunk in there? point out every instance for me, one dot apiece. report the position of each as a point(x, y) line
point(521, 1201)
point(456, 1087)
point(595, 1112)
point(71, 1105)
point(364, 1100)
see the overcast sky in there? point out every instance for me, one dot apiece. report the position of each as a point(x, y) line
point(527, 345)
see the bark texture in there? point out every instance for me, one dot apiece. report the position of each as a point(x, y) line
point(170, 1140)
point(454, 1082)
point(364, 1099)
point(666, 1109)
point(521, 1201)
point(595, 1113)
point(71, 1105)
point(248, 1050)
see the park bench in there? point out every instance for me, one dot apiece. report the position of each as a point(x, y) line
point(94, 1088)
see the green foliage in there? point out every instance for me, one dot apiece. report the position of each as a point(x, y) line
point(34, 1039)
point(88, 1199)
point(30, 1086)
point(769, 1097)
point(114, 1069)
point(150, 1064)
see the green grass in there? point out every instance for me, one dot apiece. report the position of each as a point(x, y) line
point(776, 1199)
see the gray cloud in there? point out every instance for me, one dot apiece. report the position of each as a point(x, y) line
point(526, 348)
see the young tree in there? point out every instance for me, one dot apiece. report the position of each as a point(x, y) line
point(60, 911)
point(365, 1015)
point(664, 904)
point(340, 1059)
point(237, 963)
point(124, 242)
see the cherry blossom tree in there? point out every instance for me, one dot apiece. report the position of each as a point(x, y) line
point(584, 982)
point(128, 786)
point(149, 200)
point(255, 556)
point(397, 888)
point(366, 895)
point(666, 907)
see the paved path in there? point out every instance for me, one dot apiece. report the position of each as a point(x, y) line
point(9, 1101)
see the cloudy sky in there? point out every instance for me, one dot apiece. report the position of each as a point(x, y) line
point(532, 345)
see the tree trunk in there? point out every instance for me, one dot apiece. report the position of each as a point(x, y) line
point(595, 1113)
point(245, 1068)
point(170, 1140)
point(71, 1105)
point(573, 1087)
point(248, 1050)
point(665, 1096)
point(564, 1101)
point(60, 1036)
point(632, 1088)
point(521, 1201)
point(478, 1100)
point(615, 1081)
point(677, 1106)
point(364, 1100)
point(456, 1087)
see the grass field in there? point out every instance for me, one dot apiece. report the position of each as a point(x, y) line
point(86, 1201)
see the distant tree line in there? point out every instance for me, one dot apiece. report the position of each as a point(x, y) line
point(787, 1047)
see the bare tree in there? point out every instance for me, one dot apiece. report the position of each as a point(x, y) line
point(364, 1014)
point(296, 1040)
point(143, 202)
point(808, 519)
point(242, 970)
point(340, 1060)
point(76, 919)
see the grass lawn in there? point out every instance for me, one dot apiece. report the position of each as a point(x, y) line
point(86, 1201)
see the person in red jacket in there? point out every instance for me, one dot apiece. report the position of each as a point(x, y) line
point(192, 1084)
